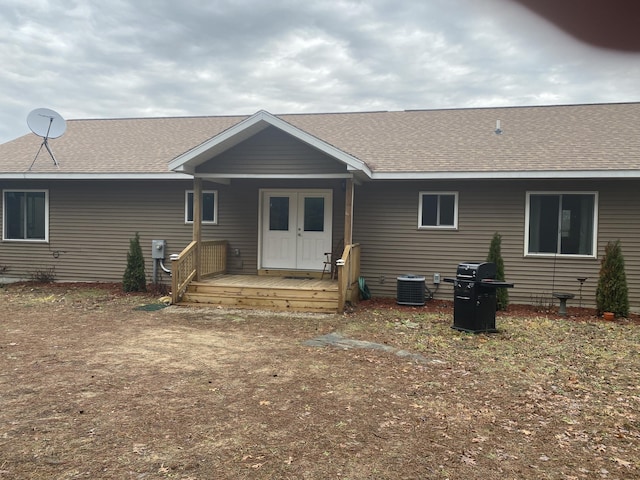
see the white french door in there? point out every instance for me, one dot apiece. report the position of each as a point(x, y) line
point(296, 228)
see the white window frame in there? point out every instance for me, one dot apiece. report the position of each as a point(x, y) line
point(215, 207)
point(594, 245)
point(438, 227)
point(46, 215)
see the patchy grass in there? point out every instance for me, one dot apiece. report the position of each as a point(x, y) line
point(93, 388)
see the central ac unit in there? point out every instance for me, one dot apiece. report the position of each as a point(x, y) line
point(411, 290)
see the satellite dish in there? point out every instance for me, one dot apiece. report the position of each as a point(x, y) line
point(47, 124)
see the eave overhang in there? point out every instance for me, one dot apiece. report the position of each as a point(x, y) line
point(514, 175)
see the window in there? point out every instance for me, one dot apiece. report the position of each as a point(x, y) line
point(209, 207)
point(26, 215)
point(561, 223)
point(438, 210)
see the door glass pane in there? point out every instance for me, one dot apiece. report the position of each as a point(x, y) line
point(279, 213)
point(314, 214)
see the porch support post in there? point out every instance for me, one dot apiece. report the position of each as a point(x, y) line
point(197, 221)
point(348, 212)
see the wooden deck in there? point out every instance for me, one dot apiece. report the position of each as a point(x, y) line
point(300, 294)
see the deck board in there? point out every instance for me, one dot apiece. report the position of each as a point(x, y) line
point(260, 281)
point(261, 291)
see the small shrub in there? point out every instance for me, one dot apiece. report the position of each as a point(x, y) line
point(159, 289)
point(495, 256)
point(612, 293)
point(541, 302)
point(44, 275)
point(134, 279)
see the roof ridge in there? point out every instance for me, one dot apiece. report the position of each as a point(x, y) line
point(359, 112)
point(173, 117)
point(504, 107)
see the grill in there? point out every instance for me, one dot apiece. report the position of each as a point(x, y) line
point(474, 297)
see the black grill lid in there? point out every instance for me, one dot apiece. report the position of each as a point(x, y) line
point(476, 270)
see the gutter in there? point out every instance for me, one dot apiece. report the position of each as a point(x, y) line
point(509, 175)
point(95, 176)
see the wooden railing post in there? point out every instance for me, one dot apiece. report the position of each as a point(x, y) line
point(348, 211)
point(348, 274)
point(197, 221)
point(183, 270)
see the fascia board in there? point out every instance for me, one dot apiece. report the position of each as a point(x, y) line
point(216, 144)
point(301, 176)
point(514, 175)
point(94, 176)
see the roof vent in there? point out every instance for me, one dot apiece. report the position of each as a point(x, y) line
point(498, 130)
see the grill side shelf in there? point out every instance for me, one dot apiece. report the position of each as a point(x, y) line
point(496, 284)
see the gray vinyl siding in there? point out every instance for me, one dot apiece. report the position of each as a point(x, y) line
point(91, 223)
point(272, 152)
point(386, 219)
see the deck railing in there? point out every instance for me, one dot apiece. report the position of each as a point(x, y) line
point(213, 260)
point(183, 270)
point(348, 274)
point(213, 257)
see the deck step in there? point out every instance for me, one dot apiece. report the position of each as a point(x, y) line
point(294, 296)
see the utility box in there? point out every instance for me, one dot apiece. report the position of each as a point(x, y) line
point(157, 249)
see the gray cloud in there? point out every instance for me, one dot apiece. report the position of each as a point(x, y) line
point(90, 59)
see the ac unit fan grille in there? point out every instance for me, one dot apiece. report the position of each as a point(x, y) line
point(411, 290)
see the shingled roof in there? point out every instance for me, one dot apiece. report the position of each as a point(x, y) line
point(570, 141)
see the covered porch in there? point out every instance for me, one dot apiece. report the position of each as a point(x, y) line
point(199, 276)
point(286, 214)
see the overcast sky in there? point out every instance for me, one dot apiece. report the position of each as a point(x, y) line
point(116, 58)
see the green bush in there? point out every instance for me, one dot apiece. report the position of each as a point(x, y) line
point(495, 256)
point(134, 279)
point(612, 294)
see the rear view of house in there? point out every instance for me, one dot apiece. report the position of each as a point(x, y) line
point(269, 203)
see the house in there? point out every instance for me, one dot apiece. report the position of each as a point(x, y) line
point(389, 193)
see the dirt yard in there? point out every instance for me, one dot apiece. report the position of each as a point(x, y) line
point(93, 386)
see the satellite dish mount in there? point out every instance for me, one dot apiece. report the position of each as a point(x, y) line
point(47, 124)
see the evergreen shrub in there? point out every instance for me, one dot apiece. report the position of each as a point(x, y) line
point(612, 293)
point(495, 256)
point(134, 279)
